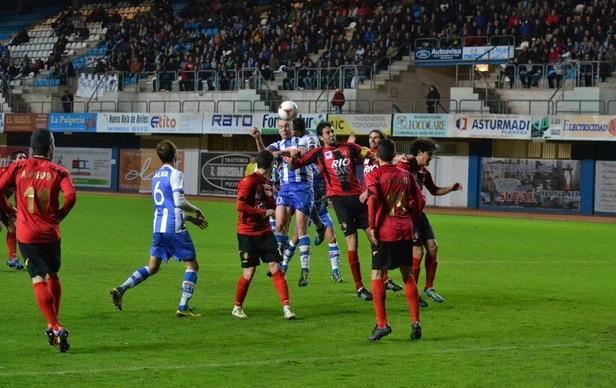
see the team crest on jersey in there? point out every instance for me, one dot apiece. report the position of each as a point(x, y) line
point(328, 155)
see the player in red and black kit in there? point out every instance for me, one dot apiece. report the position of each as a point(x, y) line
point(11, 237)
point(422, 150)
point(394, 200)
point(256, 204)
point(38, 183)
point(337, 162)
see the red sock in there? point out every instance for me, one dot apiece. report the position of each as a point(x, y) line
point(416, 268)
point(11, 244)
point(412, 297)
point(55, 288)
point(355, 270)
point(378, 301)
point(241, 291)
point(431, 265)
point(281, 287)
point(44, 299)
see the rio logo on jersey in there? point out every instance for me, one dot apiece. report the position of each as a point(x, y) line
point(163, 121)
point(341, 166)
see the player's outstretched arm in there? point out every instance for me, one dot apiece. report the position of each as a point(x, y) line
point(446, 190)
point(256, 134)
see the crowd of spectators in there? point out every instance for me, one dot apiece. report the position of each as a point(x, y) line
point(213, 40)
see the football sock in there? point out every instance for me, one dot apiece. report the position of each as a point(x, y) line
point(334, 256)
point(316, 219)
point(304, 251)
point(288, 253)
point(44, 299)
point(11, 244)
point(412, 297)
point(241, 291)
point(137, 277)
point(188, 286)
point(378, 300)
point(355, 270)
point(431, 264)
point(280, 282)
point(416, 268)
point(55, 288)
point(282, 239)
point(272, 222)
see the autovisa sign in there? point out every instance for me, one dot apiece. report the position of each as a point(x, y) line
point(438, 54)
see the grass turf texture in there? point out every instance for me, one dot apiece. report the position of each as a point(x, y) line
point(529, 303)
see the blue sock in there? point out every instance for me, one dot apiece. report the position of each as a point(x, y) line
point(188, 286)
point(304, 251)
point(282, 239)
point(137, 277)
point(334, 256)
point(288, 253)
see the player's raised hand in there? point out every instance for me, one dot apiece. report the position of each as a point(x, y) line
point(254, 132)
point(352, 138)
point(457, 186)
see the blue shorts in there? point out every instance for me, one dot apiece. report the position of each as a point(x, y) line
point(177, 245)
point(296, 198)
point(325, 218)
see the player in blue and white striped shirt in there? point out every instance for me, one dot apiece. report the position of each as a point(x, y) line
point(170, 237)
point(295, 195)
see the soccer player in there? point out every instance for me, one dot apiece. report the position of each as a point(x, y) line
point(337, 163)
point(170, 238)
point(38, 182)
point(422, 150)
point(295, 195)
point(393, 200)
point(255, 204)
point(374, 137)
point(11, 237)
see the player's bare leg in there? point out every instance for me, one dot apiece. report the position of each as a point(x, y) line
point(431, 264)
point(418, 252)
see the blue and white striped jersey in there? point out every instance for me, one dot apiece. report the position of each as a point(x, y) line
point(167, 217)
point(287, 175)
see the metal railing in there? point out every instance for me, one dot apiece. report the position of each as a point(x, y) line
point(420, 105)
point(465, 41)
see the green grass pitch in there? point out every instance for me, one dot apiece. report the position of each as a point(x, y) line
point(529, 303)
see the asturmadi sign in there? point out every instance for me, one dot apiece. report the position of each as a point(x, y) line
point(267, 122)
point(89, 167)
point(415, 125)
point(360, 124)
point(150, 122)
point(138, 166)
point(490, 126)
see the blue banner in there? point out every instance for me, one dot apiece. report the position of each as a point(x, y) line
point(72, 122)
point(438, 54)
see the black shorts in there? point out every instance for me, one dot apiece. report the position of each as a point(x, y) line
point(351, 213)
point(254, 249)
point(422, 231)
point(41, 259)
point(392, 254)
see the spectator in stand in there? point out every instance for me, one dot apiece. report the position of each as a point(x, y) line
point(433, 99)
point(338, 101)
point(67, 102)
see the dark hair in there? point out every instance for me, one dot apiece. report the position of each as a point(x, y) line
point(381, 134)
point(321, 126)
point(13, 155)
point(299, 125)
point(386, 150)
point(422, 144)
point(41, 141)
point(166, 151)
point(265, 159)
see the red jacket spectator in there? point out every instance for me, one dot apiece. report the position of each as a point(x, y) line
point(553, 19)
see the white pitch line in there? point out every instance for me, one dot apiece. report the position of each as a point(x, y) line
point(517, 262)
point(304, 360)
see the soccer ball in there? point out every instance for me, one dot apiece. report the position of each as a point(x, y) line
point(287, 110)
